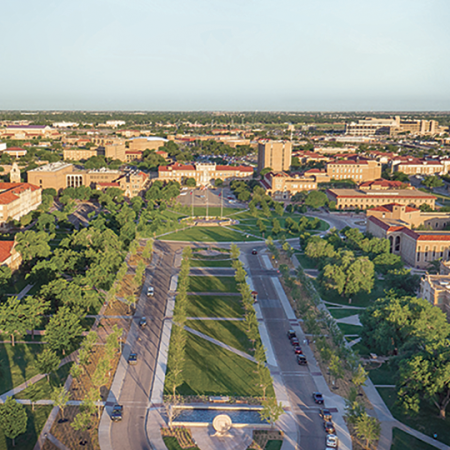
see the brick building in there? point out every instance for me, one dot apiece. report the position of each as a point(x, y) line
point(281, 186)
point(358, 170)
point(9, 256)
point(274, 154)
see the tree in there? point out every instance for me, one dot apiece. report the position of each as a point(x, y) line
point(276, 228)
point(190, 182)
point(271, 410)
point(32, 245)
point(60, 397)
point(35, 310)
point(433, 181)
point(354, 409)
point(425, 207)
point(63, 328)
point(316, 199)
point(368, 428)
point(13, 419)
point(47, 362)
point(336, 369)
point(234, 251)
point(265, 171)
point(400, 176)
point(81, 422)
point(359, 376)
point(319, 249)
point(13, 318)
point(387, 261)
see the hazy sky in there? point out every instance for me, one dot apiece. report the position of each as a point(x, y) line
point(225, 55)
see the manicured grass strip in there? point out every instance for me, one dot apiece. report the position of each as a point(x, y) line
point(212, 284)
point(230, 333)
point(341, 312)
point(427, 421)
point(305, 261)
point(35, 423)
point(17, 364)
point(205, 263)
point(207, 234)
point(382, 375)
point(361, 349)
point(172, 444)
point(404, 441)
point(214, 306)
point(350, 329)
point(273, 445)
point(44, 388)
point(212, 370)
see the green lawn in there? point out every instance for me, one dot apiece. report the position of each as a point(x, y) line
point(212, 284)
point(361, 349)
point(350, 329)
point(212, 370)
point(305, 261)
point(230, 333)
point(342, 312)
point(207, 234)
point(273, 445)
point(214, 306)
point(17, 364)
point(383, 375)
point(43, 387)
point(35, 423)
point(172, 444)
point(427, 421)
point(404, 441)
point(209, 263)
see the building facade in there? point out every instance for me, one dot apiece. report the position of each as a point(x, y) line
point(9, 256)
point(358, 170)
point(436, 290)
point(281, 186)
point(274, 154)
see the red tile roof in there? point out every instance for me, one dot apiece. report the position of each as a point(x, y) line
point(5, 250)
point(384, 225)
point(384, 183)
point(390, 207)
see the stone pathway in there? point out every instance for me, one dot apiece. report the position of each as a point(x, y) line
point(350, 320)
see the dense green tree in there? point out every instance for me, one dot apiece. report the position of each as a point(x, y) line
point(387, 261)
point(5, 275)
point(276, 227)
point(13, 419)
point(316, 199)
point(60, 397)
point(190, 182)
point(433, 181)
point(368, 428)
point(402, 281)
point(47, 362)
point(13, 318)
point(319, 249)
point(271, 410)
point(31, 244)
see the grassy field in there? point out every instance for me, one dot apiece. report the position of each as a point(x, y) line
point(306, 263)
point(273, 445)
point(404, 441)
point(361, 349)
point(35, 423)
point(208, 263)
point(207, 234)
point(43, 387)
point(212, 284)
point(382, 375)
point(214, 306)
point(172, 444)
point(230, 333)
point(427, 421)
point(17, 364)
point(342, 312)
point(350, 329)
point(212, 370)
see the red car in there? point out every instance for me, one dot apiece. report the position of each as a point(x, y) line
point(295, 342)
point(297, 350)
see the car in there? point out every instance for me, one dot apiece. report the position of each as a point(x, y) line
point(117, 412)
point(301, 360)
point(291, 334)
point(317, 397)
point(332, 441)
point(298, 350)
point(143, 322)
point(295, 342)
point(325, 414)
point(254, 251)
point(132, 359)
point(329, 427)
point(150, 291)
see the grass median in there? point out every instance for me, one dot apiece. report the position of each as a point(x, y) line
point(212, 284)
point(214, 306)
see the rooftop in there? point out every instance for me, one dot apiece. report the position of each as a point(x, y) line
point(374, 193)
point(52, 167)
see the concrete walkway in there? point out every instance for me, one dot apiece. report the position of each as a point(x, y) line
point(351, 320)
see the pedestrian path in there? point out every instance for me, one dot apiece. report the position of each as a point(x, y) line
point(350, 320)
point(227, 319)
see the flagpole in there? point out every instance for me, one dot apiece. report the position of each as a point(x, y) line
point(221, 203)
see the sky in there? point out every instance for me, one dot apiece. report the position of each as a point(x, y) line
point(236, 55)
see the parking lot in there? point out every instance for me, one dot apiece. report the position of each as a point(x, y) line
point(210, 197)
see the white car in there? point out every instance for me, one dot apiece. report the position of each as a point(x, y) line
point(150, 291)
point(332, 441)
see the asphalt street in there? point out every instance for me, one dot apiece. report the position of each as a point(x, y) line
point(134, 396)
point(297, 379)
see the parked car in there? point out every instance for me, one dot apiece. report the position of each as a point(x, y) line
point(295, 342)
point(291, 334)
point(150, 291)
point(329, 427)
point(332, 441)
point(143, 322)
point(117, 412)
point(301, 360)
point(298, 350)
point(132, 359)
point(254, 251)
point(317, 397)
point(325, 414)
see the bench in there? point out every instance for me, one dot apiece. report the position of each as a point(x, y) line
point(224, 399)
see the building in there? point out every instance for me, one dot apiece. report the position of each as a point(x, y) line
point(393, 126)
point(363, 199)
point(146, 143)
point(358, 170)
point(65, 124)
point(203, 173)
point(29, 132)
point(55, 175)
point(133, 155)
point(15, 152)
point(132, 183)
point(274, 154)
point(18, 199)
point(382, 184)
point(9, 256)
point(78, 154)
point(436, 289)
point(281, 186)
point(416, 166)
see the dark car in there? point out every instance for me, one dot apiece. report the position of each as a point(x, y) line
point(132, 359)
point(317, 397)
point(298, 350)
point(143, 322)
point(295, 342)
point(301, 360)
point(254, 251)
point(116, 414)
point(325, 414)
point(329, 427)
point(291, 334)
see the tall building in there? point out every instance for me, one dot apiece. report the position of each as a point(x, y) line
point(274, 154)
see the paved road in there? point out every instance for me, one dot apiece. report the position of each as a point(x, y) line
point(130, 432)
point(297, 379)
point(221, 272)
